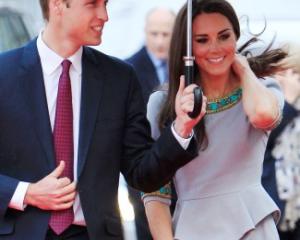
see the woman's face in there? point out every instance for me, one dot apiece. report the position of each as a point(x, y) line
point(214, 44)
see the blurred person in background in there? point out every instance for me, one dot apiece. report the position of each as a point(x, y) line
point(290, 78)
point(220, 195)
point(151, 66)
point(269, 174)
point(151, 61)
point(282, 159)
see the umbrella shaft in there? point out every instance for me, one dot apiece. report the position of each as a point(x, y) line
point(189, 29)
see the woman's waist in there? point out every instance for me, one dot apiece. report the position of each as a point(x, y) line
point(216, 182)
point(249, 206)
point(211, 189)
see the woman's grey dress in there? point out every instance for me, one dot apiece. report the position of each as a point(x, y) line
point(220, 196)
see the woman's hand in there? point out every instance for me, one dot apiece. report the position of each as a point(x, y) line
point(242, 68)
point(185, 104)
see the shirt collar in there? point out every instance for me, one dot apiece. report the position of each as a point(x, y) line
point(157, 62)
point(50, 60)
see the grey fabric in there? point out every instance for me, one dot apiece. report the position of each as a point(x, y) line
point(265, 230)
point(220, 196)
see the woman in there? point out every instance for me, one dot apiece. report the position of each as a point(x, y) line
point(219, 193)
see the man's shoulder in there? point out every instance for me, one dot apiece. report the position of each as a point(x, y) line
point(11, 60)
point(104, 59)
point(11, 55)
point(16, 54)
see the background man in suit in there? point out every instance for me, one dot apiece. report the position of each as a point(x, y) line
point(71, 120)
point(150, 62)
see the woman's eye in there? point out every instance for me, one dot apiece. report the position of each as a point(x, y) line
point(91, 3)
point(201, 40)
point(224, 36)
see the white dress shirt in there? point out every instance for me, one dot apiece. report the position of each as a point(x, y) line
point(51, 67)
point(161, 68)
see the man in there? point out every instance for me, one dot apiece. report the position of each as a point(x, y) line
point(71, 120)
point(150, 62)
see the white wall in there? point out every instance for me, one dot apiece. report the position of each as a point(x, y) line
point(123, 34)
point(30, 10)
point(282, 18)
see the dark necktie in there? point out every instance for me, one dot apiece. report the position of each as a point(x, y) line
point(164, 69)
point(63, 143)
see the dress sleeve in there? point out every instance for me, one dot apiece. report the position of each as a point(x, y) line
point(273, 85)
point(162, 195)
point(155, 103)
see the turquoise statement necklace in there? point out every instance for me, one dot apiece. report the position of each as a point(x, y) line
point(220, 104)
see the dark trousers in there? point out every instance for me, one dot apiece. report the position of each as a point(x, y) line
point(73, 232)
point(291, 235)
point(141, 223)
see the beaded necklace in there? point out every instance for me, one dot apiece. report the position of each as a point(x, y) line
point(220, 104)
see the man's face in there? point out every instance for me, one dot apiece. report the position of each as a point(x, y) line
point(82, 21)
point(158, 29)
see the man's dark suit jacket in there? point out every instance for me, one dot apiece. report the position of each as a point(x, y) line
point(114, 137)
point(146, 72)
point(149, 81)
point(268, 176)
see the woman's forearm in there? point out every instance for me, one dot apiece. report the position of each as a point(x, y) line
point(159, 219)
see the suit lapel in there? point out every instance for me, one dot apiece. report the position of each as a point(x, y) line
point(151, 75)
point(91, 91)
point(35, 96)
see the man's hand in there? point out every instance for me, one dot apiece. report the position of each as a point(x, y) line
point(183, 105)
point(52, 192)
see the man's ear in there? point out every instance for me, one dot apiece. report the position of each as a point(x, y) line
point(56, 6)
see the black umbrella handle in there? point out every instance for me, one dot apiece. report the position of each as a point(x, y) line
point(189, 79)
